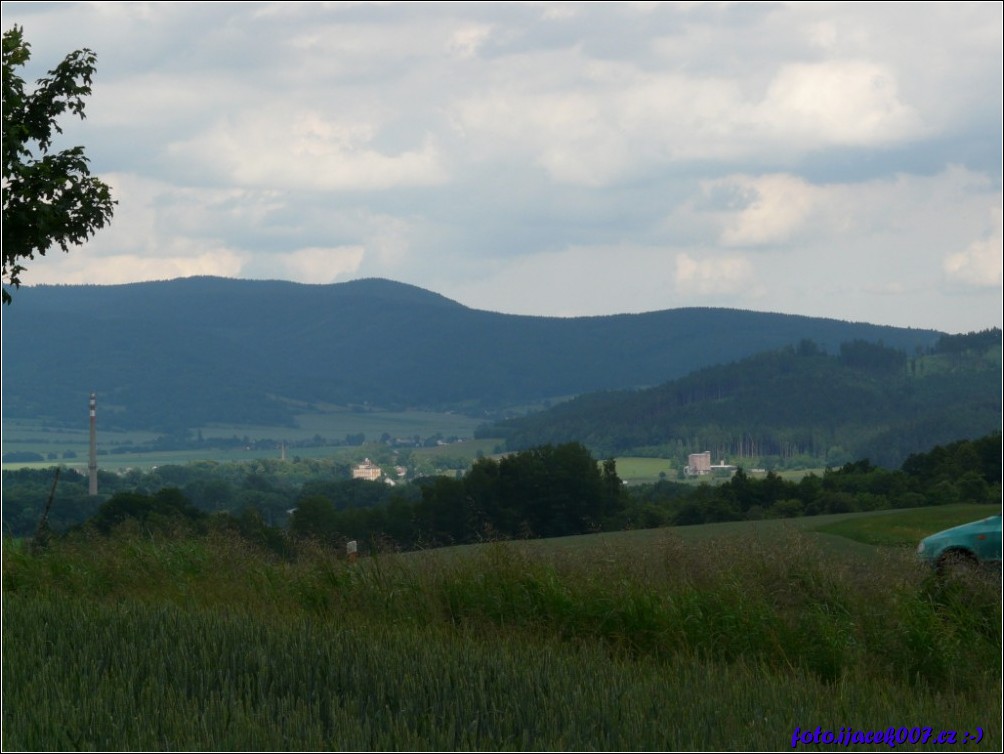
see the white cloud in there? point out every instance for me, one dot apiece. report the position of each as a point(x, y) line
point(787, 211)
point(572, 281)
point(559, 11)
point(155, 218)
point(590, 280)
point(322, 265)
point(82, 267)
point(979, 264)
point(159, 100)
point(608, 120)
point(716, 276)
point(776, 207)
point(596, 132)
point(466, 41)
point(896, 249)
point(308, 150)
point(811, 105)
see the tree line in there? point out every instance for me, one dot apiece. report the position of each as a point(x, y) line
point(548, 491)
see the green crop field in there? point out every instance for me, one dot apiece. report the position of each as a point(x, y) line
point(718, 637)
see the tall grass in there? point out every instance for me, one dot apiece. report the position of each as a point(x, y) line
point(206, 643)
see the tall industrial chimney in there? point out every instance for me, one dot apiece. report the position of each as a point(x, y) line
point(92, 458)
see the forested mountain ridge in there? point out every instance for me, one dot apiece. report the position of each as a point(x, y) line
point(865, 401)
point(182, 353)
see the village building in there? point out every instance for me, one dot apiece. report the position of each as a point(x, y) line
point(367, 470)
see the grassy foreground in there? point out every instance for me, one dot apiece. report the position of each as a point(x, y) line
point(728, 643)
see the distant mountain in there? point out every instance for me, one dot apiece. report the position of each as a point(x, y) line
point(182, 353)
point(864, 401)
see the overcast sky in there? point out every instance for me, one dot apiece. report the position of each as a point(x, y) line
point(828, 159)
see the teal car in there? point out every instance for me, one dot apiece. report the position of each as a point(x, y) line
point(972, 544)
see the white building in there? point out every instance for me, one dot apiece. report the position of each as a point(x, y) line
point(367, 470)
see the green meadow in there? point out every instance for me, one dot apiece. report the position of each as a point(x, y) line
point(897, 528)
point(723, 636)
point(325, 429)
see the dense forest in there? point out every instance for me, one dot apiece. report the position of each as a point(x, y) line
point(798, 406)
point(267, 351)
point(542, 492)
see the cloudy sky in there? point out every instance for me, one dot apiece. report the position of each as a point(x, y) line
point(829, 159)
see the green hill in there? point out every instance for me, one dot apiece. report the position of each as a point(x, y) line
point(865, 401)
point(178, 354)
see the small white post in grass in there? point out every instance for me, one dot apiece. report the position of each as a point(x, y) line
point(351, 551)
